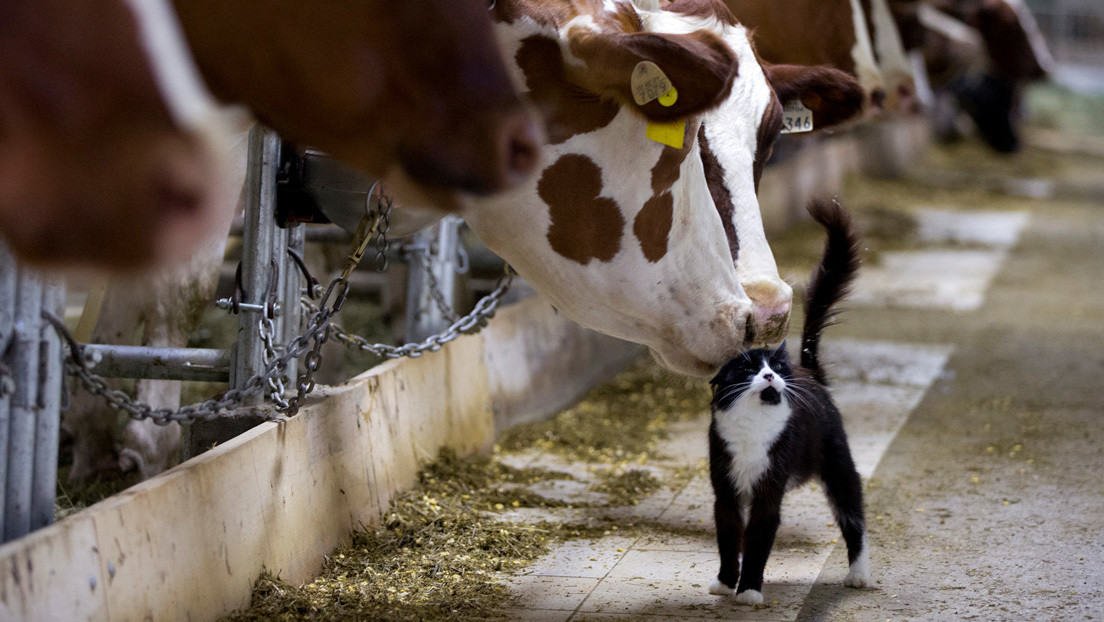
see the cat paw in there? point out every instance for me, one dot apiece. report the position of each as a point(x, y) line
point(859, 575)
point(750, 597)
point(720, 589)
point(857, 578)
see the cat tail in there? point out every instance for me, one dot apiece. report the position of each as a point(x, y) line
point(831, 279)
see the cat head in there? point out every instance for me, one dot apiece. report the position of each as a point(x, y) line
point(760, 374)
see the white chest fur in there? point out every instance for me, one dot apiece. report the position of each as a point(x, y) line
point(749, 428)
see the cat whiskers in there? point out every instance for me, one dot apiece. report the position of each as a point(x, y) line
point(799, 394)
point(732, 389)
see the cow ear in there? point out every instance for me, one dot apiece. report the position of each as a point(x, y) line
point(833, 95)
point(699, 65)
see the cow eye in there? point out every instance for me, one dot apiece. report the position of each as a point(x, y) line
point(491, 5)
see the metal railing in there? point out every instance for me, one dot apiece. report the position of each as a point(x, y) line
point(270, 297)
point(1073, 28)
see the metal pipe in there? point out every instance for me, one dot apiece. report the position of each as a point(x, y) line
point(258, 241)
point(48, 423)
point(191, 364)
point(21, 424)
point(7, 323)
point(293, 286)
point(423, 317)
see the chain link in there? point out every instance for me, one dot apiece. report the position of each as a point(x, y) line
point(203, 411)
point(426, 260)
point(383, 226)
point(270, 381)
point(470, 324)
point(266, 329)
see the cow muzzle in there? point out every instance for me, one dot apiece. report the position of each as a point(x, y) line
point(700, 348)
point(771, 301)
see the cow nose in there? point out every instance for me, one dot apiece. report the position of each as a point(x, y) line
point(771, 298)
point(520, 147)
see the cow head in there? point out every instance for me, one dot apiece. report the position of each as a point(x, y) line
point(660, 244)
point(416, 87)
point(107, 130)
point(95, 166)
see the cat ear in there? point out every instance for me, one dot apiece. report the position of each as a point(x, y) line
point(781, 353)
point(717, 379)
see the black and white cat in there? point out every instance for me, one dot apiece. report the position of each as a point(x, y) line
point(774, 427)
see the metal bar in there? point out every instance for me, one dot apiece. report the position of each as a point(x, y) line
point(294, 284)
point(21, 424)
point(423, 317)
point(48, 423)
point(7, 324)
point(191, 364)
point(258, 239)
point(280, 263)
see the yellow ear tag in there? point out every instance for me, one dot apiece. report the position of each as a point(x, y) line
point(670, 134)
point(669, 98)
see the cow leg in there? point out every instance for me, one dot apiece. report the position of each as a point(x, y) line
point(147, 447)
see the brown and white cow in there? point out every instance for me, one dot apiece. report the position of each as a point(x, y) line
point(894, 62)
point(658, 244)
point(107, 149)
point(834, 33)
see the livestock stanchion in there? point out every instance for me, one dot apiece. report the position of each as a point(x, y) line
point(30, 398)
point(48, 419)
point(24, 351)
point(256, 298)
point(7, 380)
point(432, 290)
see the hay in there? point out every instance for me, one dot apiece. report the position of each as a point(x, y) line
point(436, 555)
point(617, 422)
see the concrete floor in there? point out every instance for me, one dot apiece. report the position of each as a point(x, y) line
point(970, 373)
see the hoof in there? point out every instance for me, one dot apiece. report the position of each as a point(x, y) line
point(750, 597)
point(720, 589)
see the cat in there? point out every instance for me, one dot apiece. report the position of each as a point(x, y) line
point(774, 427)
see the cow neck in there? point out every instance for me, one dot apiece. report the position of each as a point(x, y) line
point(862, 53)
point(182, 88)
point(887, 40)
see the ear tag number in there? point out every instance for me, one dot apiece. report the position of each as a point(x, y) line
point(670, 134)
point(796, 118)
point(648, 82)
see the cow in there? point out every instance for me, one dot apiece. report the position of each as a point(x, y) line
point(893, 59)
point(980, 53)
point(111, 144)
point(834, 33)
point(657, 243)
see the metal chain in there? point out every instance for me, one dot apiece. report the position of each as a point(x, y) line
point(317, 332)
point(470, 324)
point(209, 409)
point(267, 328)
point(383, 226)
point(426, 260)
point(373, 227)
